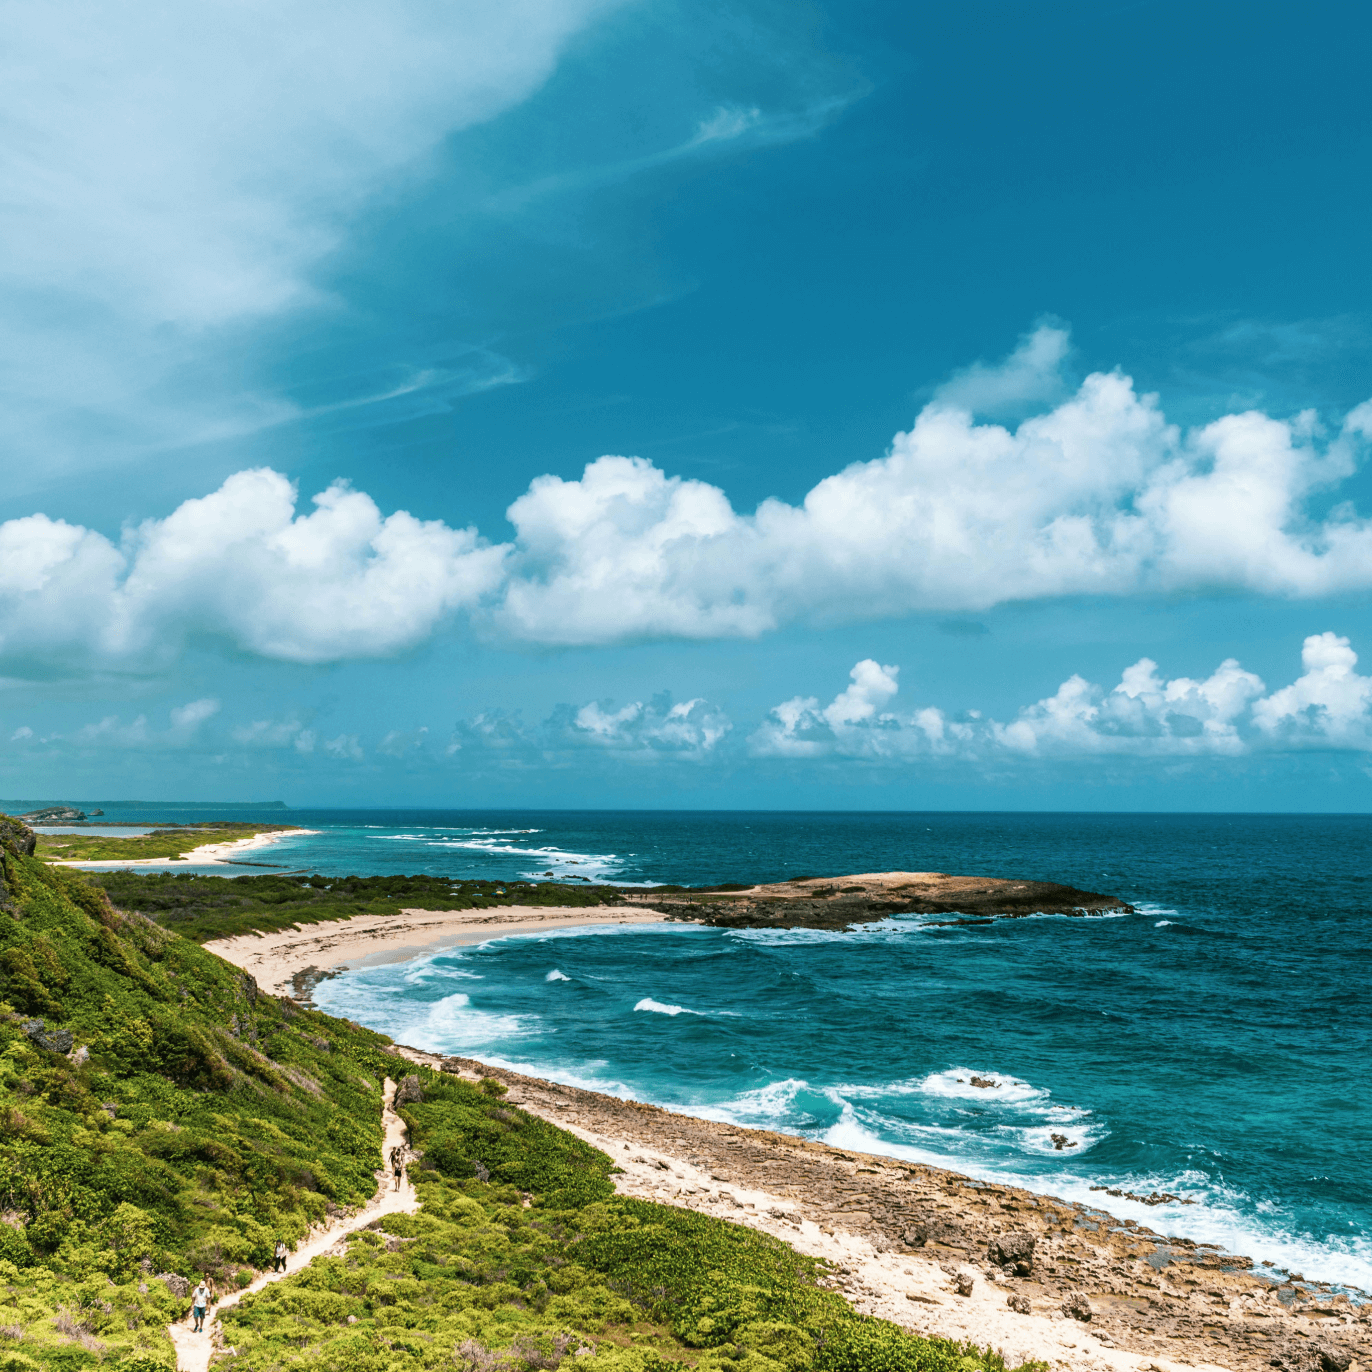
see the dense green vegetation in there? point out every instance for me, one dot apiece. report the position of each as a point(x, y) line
point(204, 908)
point(158, 1115)
point(184, 1123)
point(173, 841)
point(523, 1255)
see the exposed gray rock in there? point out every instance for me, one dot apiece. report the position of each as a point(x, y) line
point(409, 1092)
point(51, 1040)
point(963, 1283)
point(1015, 1250)
point(1077, 1307)
point(1019, 1303)
point(177, 1286)
point(80, 1056)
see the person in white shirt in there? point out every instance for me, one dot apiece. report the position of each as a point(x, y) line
point(200, 1300)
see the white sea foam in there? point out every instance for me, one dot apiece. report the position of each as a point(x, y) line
point(1162, 924)
point(1221, 1216)
point(555, 975)
point(658, 1008)
point(435, 1026)
point(956, 1082)
point(764, 1105)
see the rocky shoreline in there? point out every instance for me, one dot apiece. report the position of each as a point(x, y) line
point(840, 902)
point(944, 1254)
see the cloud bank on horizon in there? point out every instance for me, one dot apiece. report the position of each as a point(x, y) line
point(1229, 714)
point(1096, 495)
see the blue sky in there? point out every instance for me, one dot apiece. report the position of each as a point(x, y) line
point(583, 403)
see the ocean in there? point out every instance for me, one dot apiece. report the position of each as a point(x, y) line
point(1212, 1047)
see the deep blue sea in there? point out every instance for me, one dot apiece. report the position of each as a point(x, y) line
point(1214, 1045)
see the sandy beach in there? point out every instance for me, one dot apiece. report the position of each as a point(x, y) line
point(290, 961)
point(208, 854)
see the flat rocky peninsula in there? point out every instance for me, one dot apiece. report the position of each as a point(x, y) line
point(839, 902)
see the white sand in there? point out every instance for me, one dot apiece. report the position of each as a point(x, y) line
point(208, 854)
point(368, 940)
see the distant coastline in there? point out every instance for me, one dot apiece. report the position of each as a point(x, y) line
point(206, 854)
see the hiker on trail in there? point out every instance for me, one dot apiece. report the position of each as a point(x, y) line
point(200, 1300)
point(398, 1164)
point(279, 1257)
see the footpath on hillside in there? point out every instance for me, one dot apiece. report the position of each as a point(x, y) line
point(193, 1351)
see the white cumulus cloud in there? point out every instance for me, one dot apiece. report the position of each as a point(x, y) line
point(341, 581)
point(1227, 714)
point(1330, 705)
point(647, 731)
point(1097, 495)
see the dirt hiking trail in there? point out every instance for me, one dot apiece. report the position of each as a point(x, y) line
point(194, 1351)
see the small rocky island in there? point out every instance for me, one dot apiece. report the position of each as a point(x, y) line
point(840, 902)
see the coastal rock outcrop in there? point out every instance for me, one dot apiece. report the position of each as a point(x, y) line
point(840, 902)
point(1077, 1307)
point(56, 814)
point(17, 837)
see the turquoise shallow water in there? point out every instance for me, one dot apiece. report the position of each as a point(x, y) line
point(1214, 1045)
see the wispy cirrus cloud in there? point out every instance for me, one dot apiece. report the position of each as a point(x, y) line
point(174, 175)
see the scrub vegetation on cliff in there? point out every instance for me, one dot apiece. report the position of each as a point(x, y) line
point(204, 908)
point(522, 1255)
point(157, 1115)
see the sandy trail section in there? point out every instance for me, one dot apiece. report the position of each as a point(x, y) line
point(193, 1351)
point(290, 961)
point(208, 854)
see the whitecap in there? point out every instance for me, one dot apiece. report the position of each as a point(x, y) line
point(1162, 924)
point(956, 1082)
point(658, 1008)
point(555, 975)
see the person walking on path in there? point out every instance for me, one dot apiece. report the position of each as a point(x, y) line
point(200, 1300)
point(279, 1257)
point(398, 1164)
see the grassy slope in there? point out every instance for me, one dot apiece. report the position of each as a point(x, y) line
point(204, 908)
point(542, 1259)
point(207, 1120)
point(160, 843)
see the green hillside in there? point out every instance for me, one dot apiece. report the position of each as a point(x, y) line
point(160, 1116)
point(523, 1257)
point(156, 1115)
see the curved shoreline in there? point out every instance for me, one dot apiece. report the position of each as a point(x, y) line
point(1157, 1303)
point(292, 961)
point(207, 855)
